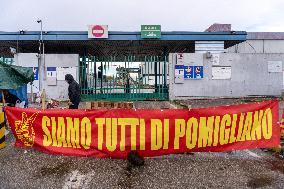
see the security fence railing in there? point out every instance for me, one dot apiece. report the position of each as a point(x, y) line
point(130, 79)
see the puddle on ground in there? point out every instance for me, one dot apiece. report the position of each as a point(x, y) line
point(129, 176)
point(58, 170)
point(259, 182)
point(277, 166)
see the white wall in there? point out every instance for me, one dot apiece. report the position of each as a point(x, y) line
point(249, 77)
point(258, 46)
point(60, 91)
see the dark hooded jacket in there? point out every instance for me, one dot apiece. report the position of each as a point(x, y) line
point(73, 89)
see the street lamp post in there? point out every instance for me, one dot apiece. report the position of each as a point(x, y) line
point(40, 21)
point(41, 66)
point(41, 58)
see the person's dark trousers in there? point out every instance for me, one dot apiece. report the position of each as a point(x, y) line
point(74, 106)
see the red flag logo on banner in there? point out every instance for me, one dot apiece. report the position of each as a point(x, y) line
point(24, 129)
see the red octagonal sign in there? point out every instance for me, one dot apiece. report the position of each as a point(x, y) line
point(98, 31)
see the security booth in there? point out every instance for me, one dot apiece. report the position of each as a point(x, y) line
point(112, 65)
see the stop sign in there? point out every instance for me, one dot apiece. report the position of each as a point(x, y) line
point(98, 31)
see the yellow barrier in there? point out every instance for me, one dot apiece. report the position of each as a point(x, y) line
point(2, 131)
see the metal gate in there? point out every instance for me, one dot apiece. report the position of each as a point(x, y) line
point(130, 79)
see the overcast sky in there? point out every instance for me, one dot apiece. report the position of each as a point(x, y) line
point(128, 15)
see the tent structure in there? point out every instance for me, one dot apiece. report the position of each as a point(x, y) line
point(14, 77)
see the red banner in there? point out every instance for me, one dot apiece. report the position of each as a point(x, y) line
point(114, 133)
point(282, 126)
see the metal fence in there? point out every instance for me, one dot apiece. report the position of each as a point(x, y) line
point(131, 79)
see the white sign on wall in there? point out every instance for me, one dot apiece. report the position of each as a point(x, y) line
point(274, 66)
point(98, 31)
point(180, 58)
point(221, 72)
point(179, 73)
point(51, 76)
point(215, 59)
point(51, 72)
point(62, 71)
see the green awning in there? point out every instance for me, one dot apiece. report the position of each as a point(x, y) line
point(13, 77)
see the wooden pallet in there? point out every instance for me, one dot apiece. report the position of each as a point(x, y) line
point(109, 105)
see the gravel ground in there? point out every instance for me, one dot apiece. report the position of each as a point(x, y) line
point(23, 168)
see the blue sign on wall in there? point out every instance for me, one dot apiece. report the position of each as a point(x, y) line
point(35, 70)
point(188, 72)
point(178, 67)
point(198, 72)
point(193, 72)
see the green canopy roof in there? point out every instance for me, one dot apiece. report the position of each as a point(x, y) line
point(13, 77)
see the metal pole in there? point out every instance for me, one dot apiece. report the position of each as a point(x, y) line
point(156, 76)
point(165, 67)
point(43, 50)
point(95, 74)
point(43, 58)
point(41, 31)
point(85, 82)
point(40, 57)
point(102, 76)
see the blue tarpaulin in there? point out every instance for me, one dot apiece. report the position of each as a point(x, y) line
point(21, 93)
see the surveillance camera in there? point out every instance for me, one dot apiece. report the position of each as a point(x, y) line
point(38, 21)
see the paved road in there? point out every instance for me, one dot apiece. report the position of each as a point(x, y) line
point(241, 169)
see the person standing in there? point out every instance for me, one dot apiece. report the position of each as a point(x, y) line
point(73, 92)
